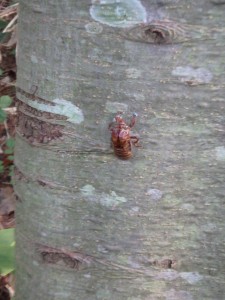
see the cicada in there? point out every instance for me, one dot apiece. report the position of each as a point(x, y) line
point(121, 137)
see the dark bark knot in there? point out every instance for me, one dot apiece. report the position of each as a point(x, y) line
point(34, 125)
point(164, 32)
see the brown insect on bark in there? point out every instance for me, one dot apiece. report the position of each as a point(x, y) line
point(121, 137)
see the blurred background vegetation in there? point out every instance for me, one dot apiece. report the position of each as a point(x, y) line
point(8, 39)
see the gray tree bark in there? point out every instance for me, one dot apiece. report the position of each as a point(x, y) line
point(92, 226)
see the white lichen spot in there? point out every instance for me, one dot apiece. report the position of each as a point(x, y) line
point(135, 209)
point(139, 97)
point(35, 263)
point(187, 73)
point(122, 13)
point(34, 59)
point(154, 194)
point(220, 153)
point(114, 107)
point(191, 277)
point(112, 199)
point(188, 207)
point(102, 249)
point(91, 194)
point(62, 107)
point(88, 190)
point(44, 234)
point(93, 27)
point(133, 73)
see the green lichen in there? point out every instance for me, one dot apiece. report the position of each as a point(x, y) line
point(110, 200)
point(118, 13)
point(62, 107)
point(87, 190)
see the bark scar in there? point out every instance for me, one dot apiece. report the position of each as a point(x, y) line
point(32, 128)
point(73, 260)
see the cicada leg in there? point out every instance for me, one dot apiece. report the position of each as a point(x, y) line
point(135, 140)
point(133, 120)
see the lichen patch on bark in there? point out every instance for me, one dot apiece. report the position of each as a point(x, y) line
point(57, 107)
point(106, 199)
point(122, 13)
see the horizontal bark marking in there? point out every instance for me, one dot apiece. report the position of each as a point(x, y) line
point(158, 31)
point(20, 176)
point(167, 32)
point(77, 260)
point(29, 110)
point(33, 96)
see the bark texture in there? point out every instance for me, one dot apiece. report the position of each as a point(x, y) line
point(92, 226)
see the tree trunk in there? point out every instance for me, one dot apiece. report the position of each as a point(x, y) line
point(89, 224)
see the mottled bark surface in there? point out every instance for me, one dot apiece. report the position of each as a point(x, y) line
point(91, 226)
